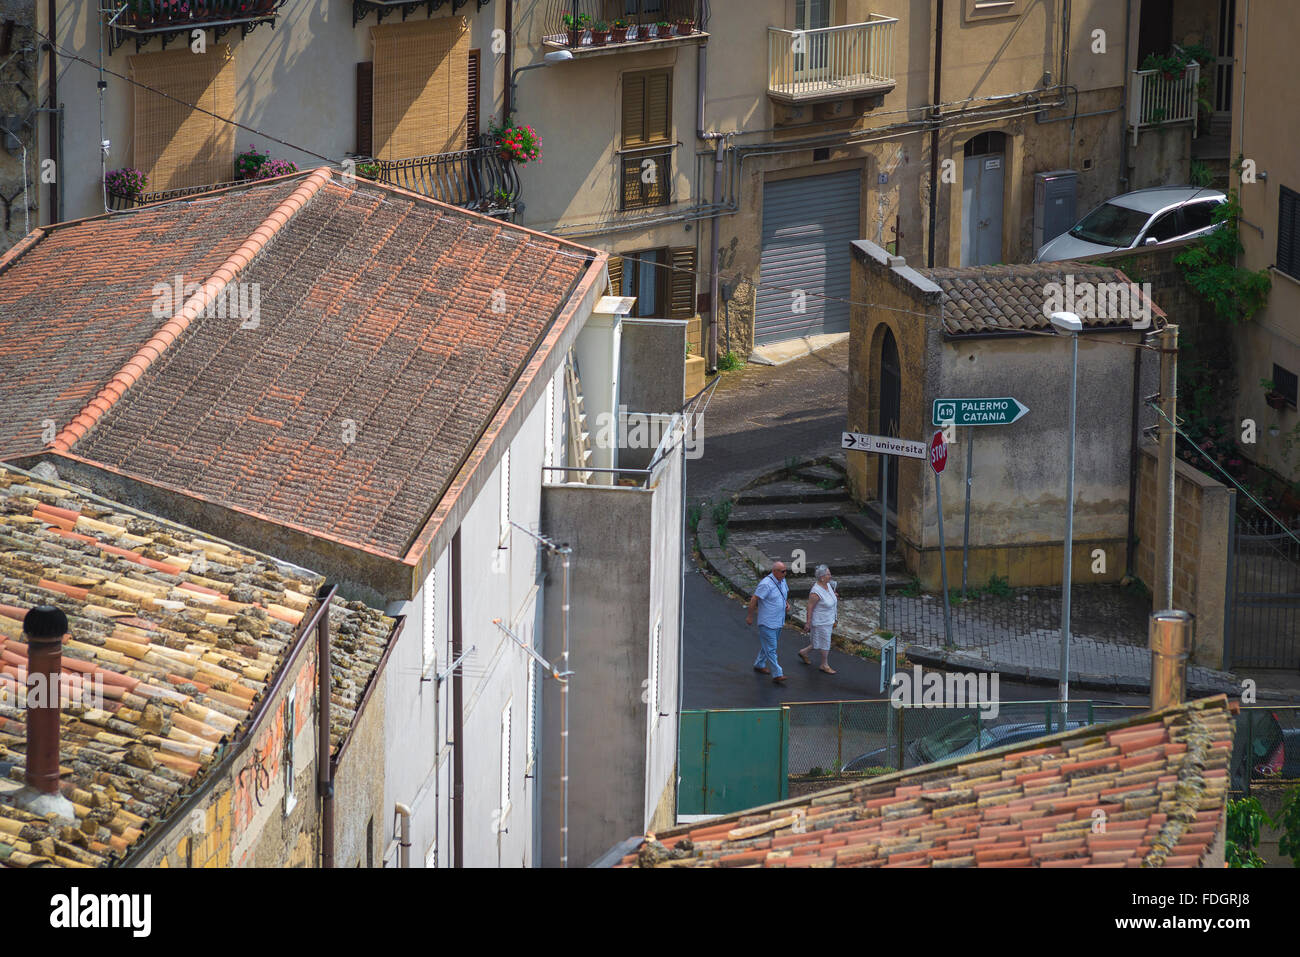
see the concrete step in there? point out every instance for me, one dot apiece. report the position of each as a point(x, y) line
point(789, 493)
point(864, 585)
point(818, 473)
point(792, 515)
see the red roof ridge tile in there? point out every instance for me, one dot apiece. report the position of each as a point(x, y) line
point(171, 330)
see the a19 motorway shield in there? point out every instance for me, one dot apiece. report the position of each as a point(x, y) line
point(992, 411)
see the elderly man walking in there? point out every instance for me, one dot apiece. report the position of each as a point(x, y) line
point(772, 602)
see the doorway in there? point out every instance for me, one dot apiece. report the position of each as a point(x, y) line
point(891, 404)
point(981, 200)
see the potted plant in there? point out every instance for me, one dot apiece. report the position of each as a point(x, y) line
point(663, 29)
point(275, 167)
point(518, 143)
point(618, 32)
point(1275, 399)
point(249, 162)
point(369, 170)
point(599, 33)
point(685, 26)
point(126, 183)
point(574, 27)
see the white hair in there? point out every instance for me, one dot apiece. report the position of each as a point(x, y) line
point(820, 571)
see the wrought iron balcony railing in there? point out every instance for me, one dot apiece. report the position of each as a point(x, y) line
point(142, 20)
point(480, 179)
point(573, 23)
point(119, 201)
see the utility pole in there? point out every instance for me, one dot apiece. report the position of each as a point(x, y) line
point(1164, 594)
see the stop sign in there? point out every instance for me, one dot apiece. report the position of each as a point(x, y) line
point(938, 452)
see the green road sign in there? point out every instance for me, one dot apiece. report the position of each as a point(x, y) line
point(996, 411)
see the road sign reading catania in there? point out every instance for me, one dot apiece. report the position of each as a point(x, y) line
point(938, 452)
point(995, 411)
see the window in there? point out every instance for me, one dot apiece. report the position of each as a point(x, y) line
point(1198, 216)
point(644, 11)
point(989, 9)
point(290, 732)
point(662, 280)
point(1284, 381)
point(1166, 226)
point(647, 134)
point(175, 146)
point(812, 15)
point(503, 540)
point(504, 803)
point(421, 76)
point(1288, 233)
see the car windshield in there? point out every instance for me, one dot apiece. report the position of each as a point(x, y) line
point(950, 739)
point(1111, 225)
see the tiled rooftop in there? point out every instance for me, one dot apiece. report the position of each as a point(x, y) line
point(1159, 781)
point(186, 633)
point(987, 299)
point(390, 329)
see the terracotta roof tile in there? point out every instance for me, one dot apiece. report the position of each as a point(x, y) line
point(1166, 816)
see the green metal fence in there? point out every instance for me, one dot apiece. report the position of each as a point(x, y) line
point(732, 760)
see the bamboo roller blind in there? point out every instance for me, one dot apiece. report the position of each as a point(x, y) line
point(174, 145)
point(421, 75)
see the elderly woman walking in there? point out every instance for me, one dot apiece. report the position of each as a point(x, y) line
point(822, 602)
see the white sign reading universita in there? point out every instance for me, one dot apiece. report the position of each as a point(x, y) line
point(861, 442)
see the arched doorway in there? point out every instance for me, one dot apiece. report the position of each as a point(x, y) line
point(890, 399)
point(981, 200)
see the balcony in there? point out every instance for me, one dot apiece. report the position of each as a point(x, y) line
point(1157, 98)
point(480, 179)
point(120, 201)
point(142, 20)
point(382, 8)
point(812, 66)
point(656, 24)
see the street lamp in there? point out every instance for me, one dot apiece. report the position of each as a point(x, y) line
point(1069, 324)
point(555, 56)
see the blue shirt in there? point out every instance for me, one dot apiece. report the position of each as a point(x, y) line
point(772, 597)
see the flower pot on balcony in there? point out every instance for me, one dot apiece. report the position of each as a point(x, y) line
point(575, 38)
point(1275, 400)
point(618, 34)
point(685, 28)
point(663, 29)
point(599, 37)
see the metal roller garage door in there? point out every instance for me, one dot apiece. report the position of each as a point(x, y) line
point(808, 224)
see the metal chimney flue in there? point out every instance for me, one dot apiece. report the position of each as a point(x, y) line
point(44, 628)
point(1171, 643)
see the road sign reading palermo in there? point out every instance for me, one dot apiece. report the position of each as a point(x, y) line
point(861, 442)
point(994, 411)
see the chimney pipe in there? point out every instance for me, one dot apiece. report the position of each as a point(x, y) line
point(44, 628)
point(1171, 642)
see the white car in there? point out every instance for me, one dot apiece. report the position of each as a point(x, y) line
point(1146, 217)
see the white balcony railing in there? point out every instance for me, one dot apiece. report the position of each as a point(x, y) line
point(1155, 99)
point(805, 65)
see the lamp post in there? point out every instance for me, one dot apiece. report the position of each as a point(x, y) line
point(555, 56)
point(1069, 324)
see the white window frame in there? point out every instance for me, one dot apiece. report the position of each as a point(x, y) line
point(290, 732)
point(503, 539)
point(504, 804)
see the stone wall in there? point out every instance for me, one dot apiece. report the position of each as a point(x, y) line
point(20, 189)
point(1202, 516)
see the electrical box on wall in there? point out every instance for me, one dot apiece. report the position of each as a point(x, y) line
point(1055, 193)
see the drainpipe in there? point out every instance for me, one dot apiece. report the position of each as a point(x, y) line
point(937, 116)
point(457, 714)
point(719, 141)
point(1130, 561)
point(508, 62)
point(1123, 140)
point(324, 766)
point(44, 628)
point(404, 841)
point(54, 118)
point(564, 676)
point(1171, 641)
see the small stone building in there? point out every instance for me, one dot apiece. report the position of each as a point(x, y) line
point(918, 335)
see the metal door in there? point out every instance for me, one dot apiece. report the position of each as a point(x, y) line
point(732, 760)
point(981, 210)
point(808, 226)
point(891, 390)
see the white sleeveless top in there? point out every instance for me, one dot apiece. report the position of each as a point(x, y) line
point(824, 610)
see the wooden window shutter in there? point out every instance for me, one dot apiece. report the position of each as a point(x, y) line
point(471, 115)
point(421, 73)
point(633, 110)
point(616, 275)
point(681, 282)
point(365, 108)
point(175, 145)
point(658, 118)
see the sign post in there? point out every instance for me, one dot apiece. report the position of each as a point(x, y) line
point(938, 459)
point(994, 411)
point(883, 445)
point(888, 665)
